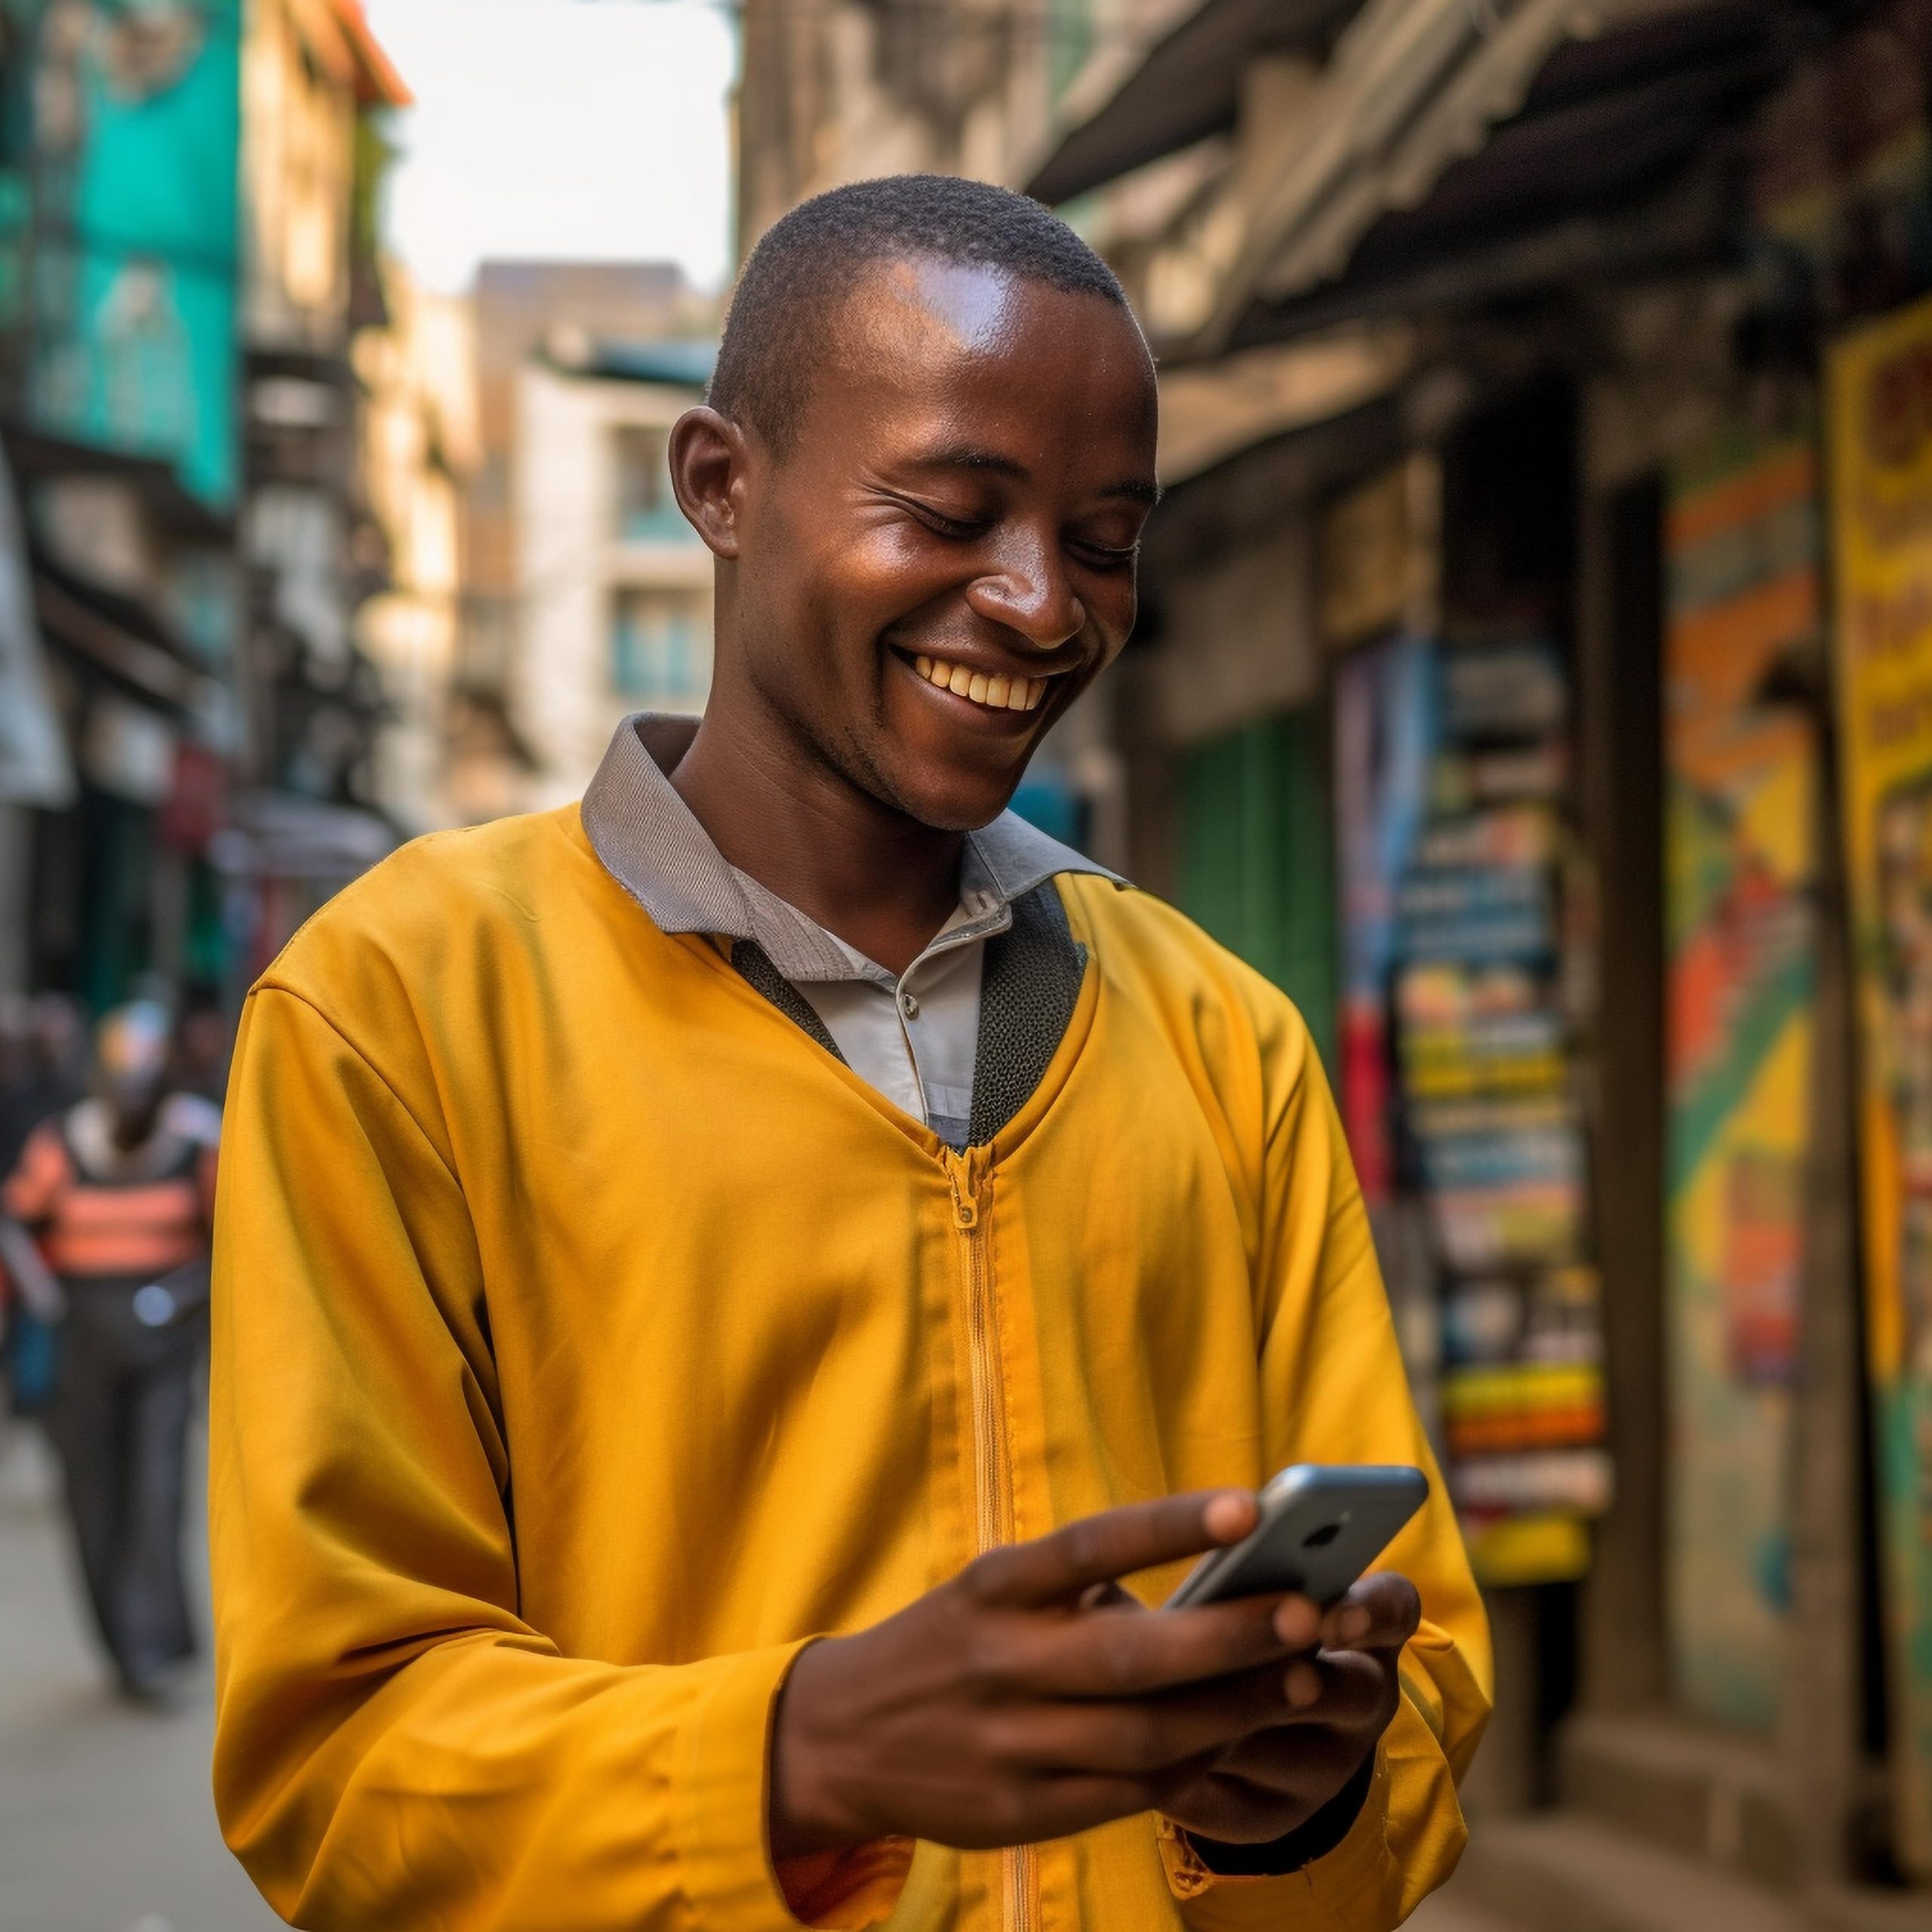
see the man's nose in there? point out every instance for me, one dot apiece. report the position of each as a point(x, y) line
point(1030, 592)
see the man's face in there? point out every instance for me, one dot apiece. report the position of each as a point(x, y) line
point(945, 558)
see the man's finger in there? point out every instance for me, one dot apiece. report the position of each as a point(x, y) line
point(1381, 1613)
point(1121, 1650)
point(1098, 1550)
point(1343, 1690)
point(1141, 1737)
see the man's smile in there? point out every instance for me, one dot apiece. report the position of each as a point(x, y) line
point(996, 690)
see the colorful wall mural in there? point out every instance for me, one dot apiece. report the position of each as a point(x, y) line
point(1742, 541)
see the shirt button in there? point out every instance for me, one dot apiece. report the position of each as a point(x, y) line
point(908, 1006)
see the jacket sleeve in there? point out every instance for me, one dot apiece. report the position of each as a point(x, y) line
point(394, 1745)
point(1335, 1390)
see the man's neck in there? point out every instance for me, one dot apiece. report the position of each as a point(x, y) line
point(879, 881)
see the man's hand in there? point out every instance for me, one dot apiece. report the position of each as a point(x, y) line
point(1030, 1698)
point(1342, 1700)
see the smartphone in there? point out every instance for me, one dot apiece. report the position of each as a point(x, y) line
point(1320, 1528)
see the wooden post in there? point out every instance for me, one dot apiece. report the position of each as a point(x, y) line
point(1819, 1733)
point(1620, 745)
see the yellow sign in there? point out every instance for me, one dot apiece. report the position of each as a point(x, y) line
point(1881, 457)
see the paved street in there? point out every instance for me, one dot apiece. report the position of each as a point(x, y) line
point(105, 1823)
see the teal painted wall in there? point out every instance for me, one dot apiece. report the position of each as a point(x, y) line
point(135, 254)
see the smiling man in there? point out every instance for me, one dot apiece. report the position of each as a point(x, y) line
point(718, 1287)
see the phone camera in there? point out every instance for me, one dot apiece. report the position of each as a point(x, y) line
point(1321, 1538)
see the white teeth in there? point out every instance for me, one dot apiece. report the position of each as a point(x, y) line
point(997, 692)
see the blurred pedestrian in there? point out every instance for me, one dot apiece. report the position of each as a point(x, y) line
point(118, 1194)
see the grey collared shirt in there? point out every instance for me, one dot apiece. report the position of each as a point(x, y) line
point(915, 1038)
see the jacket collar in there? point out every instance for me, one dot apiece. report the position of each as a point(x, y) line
point(649, 842)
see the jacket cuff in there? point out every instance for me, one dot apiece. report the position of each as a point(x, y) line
point(842, 1891)
point(1350, 1886)
point(731, 1885)
point(1314, 1838)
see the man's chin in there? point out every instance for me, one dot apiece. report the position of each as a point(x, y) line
point(948, 798)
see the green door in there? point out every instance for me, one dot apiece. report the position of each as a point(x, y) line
point(1257, 852)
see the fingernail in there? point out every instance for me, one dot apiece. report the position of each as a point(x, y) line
point(1354, 1626)
point(1303, 1688)
point(1232, 1515)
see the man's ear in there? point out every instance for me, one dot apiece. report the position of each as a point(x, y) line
point(707, 455)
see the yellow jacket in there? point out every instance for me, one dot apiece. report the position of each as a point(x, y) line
point(587, 1338)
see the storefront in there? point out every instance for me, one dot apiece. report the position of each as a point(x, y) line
point(1587, 810)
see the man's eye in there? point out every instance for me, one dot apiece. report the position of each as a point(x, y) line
point(1106, 558)
point(962, 528)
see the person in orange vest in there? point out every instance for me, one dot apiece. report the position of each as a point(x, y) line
point(108, 1214)
point(736, 1301)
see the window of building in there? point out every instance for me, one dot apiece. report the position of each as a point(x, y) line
point(660, 655)
point(645, 509)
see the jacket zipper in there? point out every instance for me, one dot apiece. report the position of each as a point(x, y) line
point(991, 1458)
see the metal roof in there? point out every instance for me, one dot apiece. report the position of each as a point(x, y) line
point(378, 82)
point(677, 364)
point(1187, 88)
point(1497, 138)
point(1596, 168)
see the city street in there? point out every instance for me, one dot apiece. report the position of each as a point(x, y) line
point(1367, 797)
point(106, 1821)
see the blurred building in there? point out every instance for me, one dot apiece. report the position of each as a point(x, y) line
point(420, 453)
point(855, 89)
point(522, 308)
point(186, 254)
point(613, 585)
point(1535, 679)
point(313, 552)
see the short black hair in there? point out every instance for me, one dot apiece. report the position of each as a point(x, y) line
point(784, 307)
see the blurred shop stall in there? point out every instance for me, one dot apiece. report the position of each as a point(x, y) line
point(187, 258)
point(1533, 679)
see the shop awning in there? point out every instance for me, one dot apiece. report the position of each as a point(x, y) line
point(1413, 86)
point(120, 639)
point(32, 453)
point(1186, 87)
point(1545, 157)
point(1412, 91)
point(1209, 410)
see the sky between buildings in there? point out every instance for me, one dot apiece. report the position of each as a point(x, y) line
point(576, 129)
